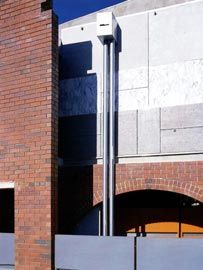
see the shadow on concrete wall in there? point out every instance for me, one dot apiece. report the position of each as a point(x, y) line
point(80, 136)
point(75, 60)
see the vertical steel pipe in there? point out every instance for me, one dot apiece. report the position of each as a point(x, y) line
point(112, 138)
point(105, 138)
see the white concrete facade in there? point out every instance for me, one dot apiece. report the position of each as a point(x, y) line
point(160, 65)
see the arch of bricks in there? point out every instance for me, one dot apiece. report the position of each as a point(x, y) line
point(125, 186)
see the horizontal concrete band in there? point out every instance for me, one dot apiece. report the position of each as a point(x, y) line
point(6, 185)
point(171, 133)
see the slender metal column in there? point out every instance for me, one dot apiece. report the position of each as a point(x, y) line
point(105, 139)
point(112, 139)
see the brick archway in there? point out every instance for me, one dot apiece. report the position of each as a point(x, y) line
point(176, 186)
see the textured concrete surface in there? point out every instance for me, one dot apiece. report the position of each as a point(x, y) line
point(78, 96)
point(134, 47)
point(159, 254)
point(176, 84)
point(149, 131)
point(182, 140)
point(175, 34)
point(159, 74)
point(127, 133)
point(132, 99)
point(188, 116)
point(133, 78)
point(159, 63)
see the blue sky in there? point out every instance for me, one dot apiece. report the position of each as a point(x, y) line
point(71, 9)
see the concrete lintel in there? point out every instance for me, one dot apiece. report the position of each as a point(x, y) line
point(6, 185)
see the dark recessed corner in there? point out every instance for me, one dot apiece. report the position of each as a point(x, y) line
point(46, 5)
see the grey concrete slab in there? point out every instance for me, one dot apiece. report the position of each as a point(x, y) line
point(7, 267)
point(93, 252)
point(182, 140)
point(7, 249)
point(182, 116)
point(133, 78)
point(149, 131)
point(175, 34)
point(176, 83)
point(134, 45)
point(127, 133)
point(169, 254)
point(129, 100)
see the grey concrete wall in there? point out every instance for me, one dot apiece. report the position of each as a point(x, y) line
point(160, 62)
point(119, 253)
point(169, 254)
point(159, 81)
point(7, 250)
point(93, 252)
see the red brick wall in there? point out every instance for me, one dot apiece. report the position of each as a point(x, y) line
point(28, 126)
point(84, 184)
point(182, 177)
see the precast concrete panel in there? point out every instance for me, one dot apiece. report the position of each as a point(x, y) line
point(94, 253)
point(182, 140)
point(7, 250)
point(127, 133)
point(132, 99)
point(175, 55)
point(177, 83)
point(169, 254)
point(134, 43)
point(134, 78)
point(149, 131)
point(187, 116)
point(175, 34)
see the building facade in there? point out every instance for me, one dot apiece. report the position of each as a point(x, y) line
point(158, 120)
point(52, 186)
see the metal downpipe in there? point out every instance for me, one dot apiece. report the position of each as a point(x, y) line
point(112, 139)
point(105, 138)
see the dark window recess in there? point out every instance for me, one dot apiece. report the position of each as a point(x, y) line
point(7, 211)
point(47, 5)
